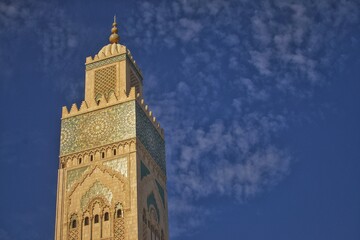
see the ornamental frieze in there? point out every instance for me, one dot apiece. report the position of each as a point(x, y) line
point(74, 175)
point(150, 138)
point(96, 190)
point(118, 165)
point(98, 128)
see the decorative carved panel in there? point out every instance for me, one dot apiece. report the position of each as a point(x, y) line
point(161, 192)
point(105, 62)
point(144, 171)
point(74, 234)
point(150, 138)
point(119, 229)
point(96, 190)
point(73, 175)
point(85, 131)
point(118, 165)
point(105, 80)
point(151, 202)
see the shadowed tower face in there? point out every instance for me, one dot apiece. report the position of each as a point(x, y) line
point(112, 171)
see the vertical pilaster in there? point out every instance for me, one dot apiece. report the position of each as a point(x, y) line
point(59, 202)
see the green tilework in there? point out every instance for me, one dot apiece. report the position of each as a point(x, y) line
point(97, 128)
point(150, 138)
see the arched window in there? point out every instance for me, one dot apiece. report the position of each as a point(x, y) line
point(96, 218)
point(114, 152)
point(86, 221)
point(80, 160)
point(106, 216)
point(152, 232)
point(144, 216)
point(118, 213)
point(73, 223)
point(103, 155)
point(91, 157)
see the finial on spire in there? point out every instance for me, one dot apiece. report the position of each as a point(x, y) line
point(114, 37)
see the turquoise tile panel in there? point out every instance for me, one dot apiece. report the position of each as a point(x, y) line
point(150, 138)
point(97, 128)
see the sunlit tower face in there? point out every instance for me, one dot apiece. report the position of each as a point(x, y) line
point(112, 170)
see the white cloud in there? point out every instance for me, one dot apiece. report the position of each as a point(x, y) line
point(222, 117)
point(55, 34)
point(261, 29)
point(220, 110)
point(188, 29)
point(261, 60)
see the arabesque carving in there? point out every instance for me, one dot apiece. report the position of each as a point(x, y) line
point(97, 190)
point(98, 128)
point(118, 165)
point(73, 175)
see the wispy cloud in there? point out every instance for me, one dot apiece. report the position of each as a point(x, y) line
point(188, 29)
point(238, 62)
point(56, 36)
point(50, 24)
point(225, 108)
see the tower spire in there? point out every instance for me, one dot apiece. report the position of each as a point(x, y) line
point(114, 37)
point(110, 146)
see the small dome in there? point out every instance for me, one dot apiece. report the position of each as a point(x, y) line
point(114, 47)
point(111, 49)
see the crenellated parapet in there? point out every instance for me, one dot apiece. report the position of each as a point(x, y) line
point(110, 101)
point(149, 114)
point(102, 102)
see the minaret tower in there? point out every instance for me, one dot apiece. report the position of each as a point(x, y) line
point(112, 170)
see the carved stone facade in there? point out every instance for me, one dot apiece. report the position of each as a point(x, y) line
point(112, 169)
point(97, 128)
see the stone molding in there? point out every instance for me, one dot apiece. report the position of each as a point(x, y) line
point(126, 146)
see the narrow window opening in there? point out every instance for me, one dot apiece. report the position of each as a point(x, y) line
point(96, 219)
point(73, 224)
point(106, 216)
point(152, 232)
point(80, 160)
point(102, 155)
point(144, 216)
point(86, 221)
point(118, 213)
point(114, 152)
point(91, 157)
point(157, 235)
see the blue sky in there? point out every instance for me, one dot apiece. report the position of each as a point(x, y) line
point(259, 101)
